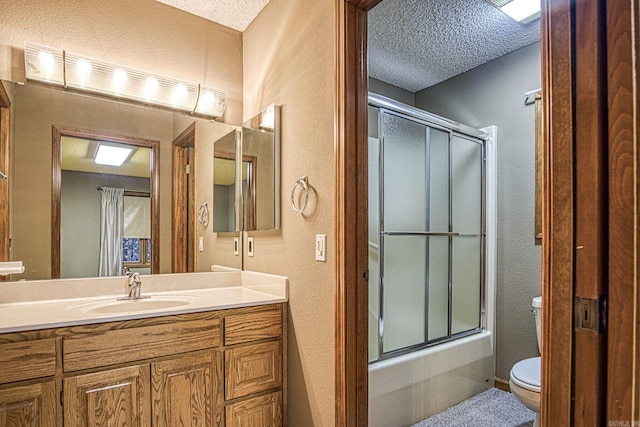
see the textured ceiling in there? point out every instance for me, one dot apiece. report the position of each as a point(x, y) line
point(414, 44)
point(236, 14)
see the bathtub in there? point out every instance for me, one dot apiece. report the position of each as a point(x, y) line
point(407, 389)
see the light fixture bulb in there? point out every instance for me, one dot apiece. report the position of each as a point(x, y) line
point(119, 79)
point(47, 62)
point(179, 93)
point(111, 155)
point(521, 9)
point(83, 68)
point(208, 99)
point(267, 119)
point(150, 86)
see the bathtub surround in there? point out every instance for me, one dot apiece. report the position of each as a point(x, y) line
point(494, 94)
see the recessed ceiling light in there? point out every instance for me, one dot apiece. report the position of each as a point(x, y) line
point(111, 155)
point(523, 11)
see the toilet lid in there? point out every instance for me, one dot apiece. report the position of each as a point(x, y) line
point(526, 374)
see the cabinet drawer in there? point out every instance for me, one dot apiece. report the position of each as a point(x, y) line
point(27, 360)
point(147, 342)
point(252, 368)
point(263, 411)
point(253, 326)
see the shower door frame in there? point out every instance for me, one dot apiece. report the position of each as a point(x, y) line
point(430, 121)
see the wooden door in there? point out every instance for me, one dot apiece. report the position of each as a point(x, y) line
point(114, 398)
point(183, 224)
point(29, 406)
point(623, 385)
point(187, 391)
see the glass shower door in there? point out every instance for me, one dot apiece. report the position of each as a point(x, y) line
point(430, 233)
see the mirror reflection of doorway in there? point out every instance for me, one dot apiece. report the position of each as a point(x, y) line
point(105, 214)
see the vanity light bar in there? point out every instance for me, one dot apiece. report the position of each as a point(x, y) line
point(58, 67)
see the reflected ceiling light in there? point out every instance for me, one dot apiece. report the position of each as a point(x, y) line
point(72, 72)
point(112, 155)
point(523, 11)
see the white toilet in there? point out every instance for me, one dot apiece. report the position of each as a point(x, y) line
point(524, 379)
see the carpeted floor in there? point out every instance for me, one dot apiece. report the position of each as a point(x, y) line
point(492, 408)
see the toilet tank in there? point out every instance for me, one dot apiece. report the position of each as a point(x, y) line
point(537, 314)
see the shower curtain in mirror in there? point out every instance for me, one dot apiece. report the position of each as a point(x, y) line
point(111, 231)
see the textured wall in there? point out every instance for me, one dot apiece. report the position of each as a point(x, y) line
point(493, 94)
point(289, 59)
point(141, 34)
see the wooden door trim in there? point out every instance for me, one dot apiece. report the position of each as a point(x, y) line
point(5, 196)
point(558, 224)
point(623, 390)
point(180, 262)
point(351, 233)
point(56, 187)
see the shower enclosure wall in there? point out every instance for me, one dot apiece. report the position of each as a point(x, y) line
point(431, 260)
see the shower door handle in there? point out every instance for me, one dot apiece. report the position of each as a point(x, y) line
point(418, 233)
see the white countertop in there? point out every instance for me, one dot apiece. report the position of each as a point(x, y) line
point(48, 304)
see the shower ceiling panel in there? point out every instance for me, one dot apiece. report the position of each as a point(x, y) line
point(414, 44)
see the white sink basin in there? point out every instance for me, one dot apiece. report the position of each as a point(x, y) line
point(113, 305)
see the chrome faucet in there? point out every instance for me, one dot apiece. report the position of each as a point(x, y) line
point(134, 284)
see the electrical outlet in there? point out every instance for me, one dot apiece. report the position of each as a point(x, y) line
point(321, 247)
point(249, 246)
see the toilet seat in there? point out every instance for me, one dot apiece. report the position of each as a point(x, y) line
point(526, 374)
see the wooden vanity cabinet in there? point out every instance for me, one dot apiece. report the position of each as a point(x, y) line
point(212, 369)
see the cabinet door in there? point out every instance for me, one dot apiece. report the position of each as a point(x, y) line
point(114, 398)
point(263, 411)
point(187, 391)
point(252, 368)
point(29, 406)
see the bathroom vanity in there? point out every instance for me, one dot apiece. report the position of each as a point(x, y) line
point(210, 353)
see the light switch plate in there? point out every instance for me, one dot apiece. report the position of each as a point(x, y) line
point(201, 244)
point(236, 249)
point(321, 247)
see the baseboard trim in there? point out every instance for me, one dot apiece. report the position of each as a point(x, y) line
point(502, 384)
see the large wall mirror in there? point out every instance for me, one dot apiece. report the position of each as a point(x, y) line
point(40, 116)
point(181, 178)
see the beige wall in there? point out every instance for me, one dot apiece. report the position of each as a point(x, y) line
point(289, 56)
point(141, 34)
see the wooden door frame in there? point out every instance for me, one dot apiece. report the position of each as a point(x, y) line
point(182, 205)
point(56, 187)
point(5, 164)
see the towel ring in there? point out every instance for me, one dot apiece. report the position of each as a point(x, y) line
point(303, 182)
point(203, 214)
